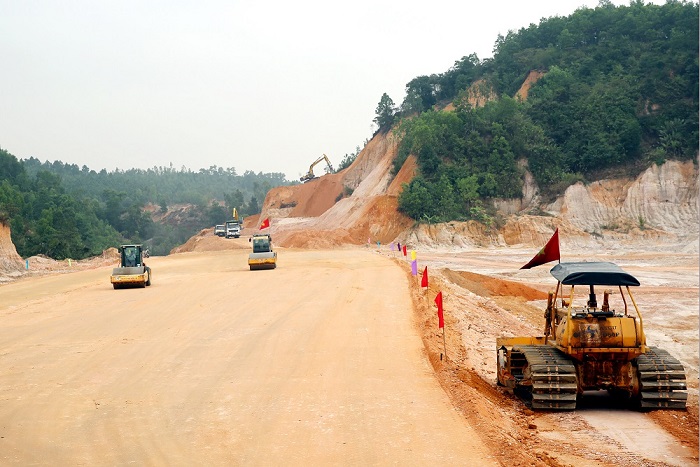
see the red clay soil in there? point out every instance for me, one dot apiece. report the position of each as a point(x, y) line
point(488, 286)
point(379, 223)
point(310, 199)
point(405, 175)
point(347, 208)
point(10, 261)
point(531, 79)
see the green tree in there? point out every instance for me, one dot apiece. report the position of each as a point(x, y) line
point(420, 95)
point(234, 199)
point(444, 199)
point(416, 200)
point(385, 112)
point(467, 191)
point(252, 207)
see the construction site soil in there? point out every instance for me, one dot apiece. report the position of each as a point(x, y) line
point(486, 295)
point(500, 301)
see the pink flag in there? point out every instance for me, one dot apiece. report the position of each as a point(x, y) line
point(414, 267)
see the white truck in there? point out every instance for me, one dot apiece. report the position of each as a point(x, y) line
point(233, 229)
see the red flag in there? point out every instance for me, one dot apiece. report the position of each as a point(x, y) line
point(265, 224)
point(550, 252)
point(441, 318)
point(424, 279)
point(404, 250)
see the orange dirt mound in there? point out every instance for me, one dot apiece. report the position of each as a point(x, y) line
point(310, 199)
point(486, 286)
point(205, 240)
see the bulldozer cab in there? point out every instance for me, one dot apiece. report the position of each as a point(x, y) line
point(591, 274)
point(582, 324)
point(131, 256)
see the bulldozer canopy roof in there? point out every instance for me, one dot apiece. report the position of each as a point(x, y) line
point(594, 273)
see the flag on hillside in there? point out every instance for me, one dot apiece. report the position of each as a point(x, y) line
point(414, 267)
point(441, 318)
point(404, 250)
point(265, 224)
point(550, 252)
point(424, 279)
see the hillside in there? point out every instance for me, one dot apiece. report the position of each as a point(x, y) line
point(308, 215)
point(659, 207)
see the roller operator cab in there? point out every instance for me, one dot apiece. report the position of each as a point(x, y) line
point(133, 271)
point(593, 340)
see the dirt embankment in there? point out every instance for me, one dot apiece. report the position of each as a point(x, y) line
point(482, 306)
point(13, 266)
point(359, 204)
point(348, 208)
point(657, 210)
point(10, 262)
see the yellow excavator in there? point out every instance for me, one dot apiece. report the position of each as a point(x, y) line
point(310, 174)
point(589, 346)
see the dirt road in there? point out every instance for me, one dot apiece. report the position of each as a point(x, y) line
point(317, 362)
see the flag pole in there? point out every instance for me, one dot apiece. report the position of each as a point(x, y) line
point(441, 322)
point(444, 344)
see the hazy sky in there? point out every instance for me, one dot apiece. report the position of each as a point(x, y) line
point(267, 86)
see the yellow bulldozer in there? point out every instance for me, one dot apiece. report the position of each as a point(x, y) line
point(587, 346)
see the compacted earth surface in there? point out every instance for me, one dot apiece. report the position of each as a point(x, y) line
point(334, 357)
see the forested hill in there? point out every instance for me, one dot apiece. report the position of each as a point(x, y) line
point(166, 185)
point(64, 211)
point(617, 91)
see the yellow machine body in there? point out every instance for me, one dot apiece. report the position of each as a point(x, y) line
point(590, 347)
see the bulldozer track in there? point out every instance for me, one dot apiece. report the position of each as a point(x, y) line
point(551, 375)
point(661, 380)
